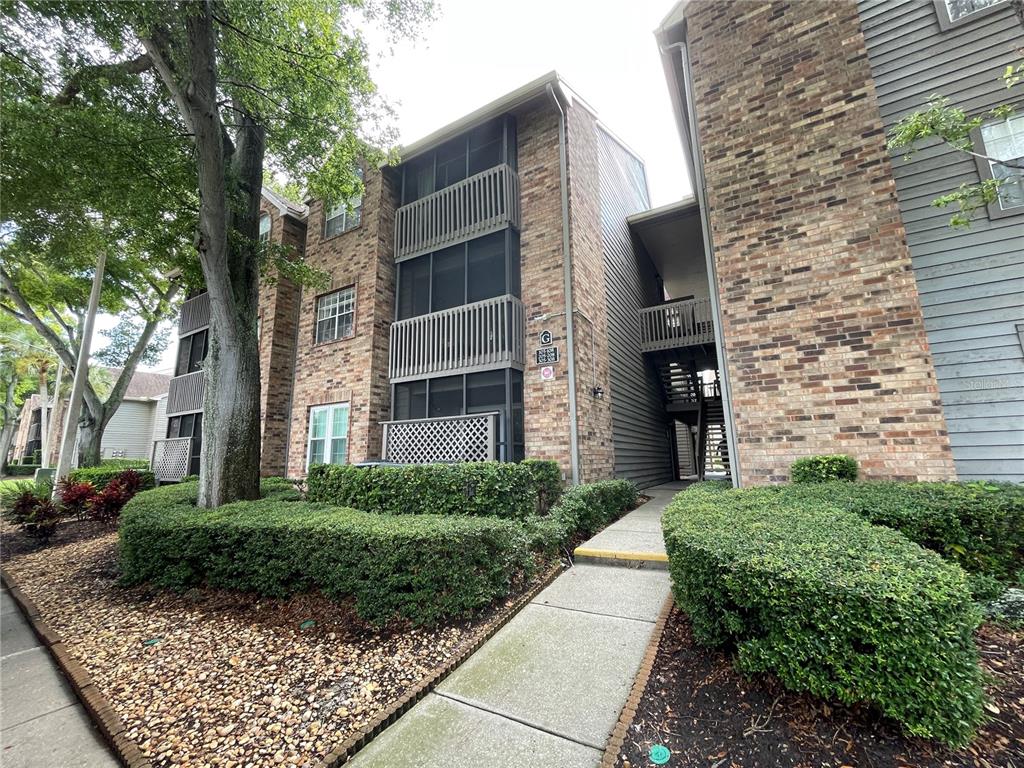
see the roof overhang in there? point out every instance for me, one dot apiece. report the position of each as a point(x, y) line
point(671, 37)
point(285, 207)
point(671, 236)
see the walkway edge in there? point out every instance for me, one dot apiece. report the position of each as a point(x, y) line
point(618, 734)
point(348, 748)
point(103, 716)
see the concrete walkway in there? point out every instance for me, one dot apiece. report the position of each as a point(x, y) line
point(42, 724)
point(637, 536)
point(548, 688)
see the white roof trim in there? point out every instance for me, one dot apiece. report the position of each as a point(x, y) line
point(284, 207)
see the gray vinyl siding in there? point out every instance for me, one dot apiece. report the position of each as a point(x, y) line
point(639, 427)
point(130, 429)
point(971, 282)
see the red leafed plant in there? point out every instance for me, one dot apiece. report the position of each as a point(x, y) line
point(107, 504)
point(75, 498)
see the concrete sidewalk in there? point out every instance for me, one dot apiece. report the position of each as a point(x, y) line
point(548, 688)
point(42, 724)
point(637, 536)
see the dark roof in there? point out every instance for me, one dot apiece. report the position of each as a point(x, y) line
point(144, 383)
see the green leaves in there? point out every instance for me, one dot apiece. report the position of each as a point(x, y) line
point(820, 469)
point(830, 603)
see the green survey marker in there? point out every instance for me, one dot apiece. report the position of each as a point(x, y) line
point(659, 754)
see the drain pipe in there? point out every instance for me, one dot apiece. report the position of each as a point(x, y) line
point(570, 345)
point(709, 259)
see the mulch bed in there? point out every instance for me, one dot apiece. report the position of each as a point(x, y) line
point(217, 678)
point(708, 714)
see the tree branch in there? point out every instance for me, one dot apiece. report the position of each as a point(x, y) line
point(73, 87)
point(157, 51)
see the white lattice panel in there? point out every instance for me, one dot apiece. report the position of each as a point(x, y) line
point(426, 441)
point(171, 458)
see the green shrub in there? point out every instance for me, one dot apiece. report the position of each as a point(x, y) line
point(581, 511)
point(830, 603)
point(487, 488)
point(21, 470)
point(126, 463)
point(103, 474)
point(978, 525)
point(547, 479)
point(821, 469)
point(423, 568)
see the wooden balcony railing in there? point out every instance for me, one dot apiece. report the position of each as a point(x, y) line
point(682, 323)
point(185, 393)
point(480, 336)
point(195, 314)
point(171, 458)
point(449, 439)
point(483, 203)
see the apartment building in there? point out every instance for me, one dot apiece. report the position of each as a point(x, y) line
point(848, 316)
point(506, 291)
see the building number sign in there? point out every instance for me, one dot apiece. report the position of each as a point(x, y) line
point(547, 355)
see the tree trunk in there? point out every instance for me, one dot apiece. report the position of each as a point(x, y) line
point(230, 458)
point(6, 438)
point(90, 440)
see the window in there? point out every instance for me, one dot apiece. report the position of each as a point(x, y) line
point(345, 215)
point(328, 435)
point(191, 353)
point(479, 269)
point(1004, 141)
point(335, 315)
point(264, 228)
point(954, 12)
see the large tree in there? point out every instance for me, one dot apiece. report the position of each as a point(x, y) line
point(250, 84)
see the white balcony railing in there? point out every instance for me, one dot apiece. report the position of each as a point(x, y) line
point(171, 458)
point(676, 324)
point(195, 314)
point(185, 393)
point(448, 439)
point(480, 336)
point(483, 203)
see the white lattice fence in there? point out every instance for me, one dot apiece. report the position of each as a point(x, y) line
point(451, 439)
point(171, 458)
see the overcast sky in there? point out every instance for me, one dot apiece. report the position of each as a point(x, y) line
point(477, 51)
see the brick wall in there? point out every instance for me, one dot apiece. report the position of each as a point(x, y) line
point(279, 315)
point(351, 370)
point(824, 336)
point(589, 296)
point(546, 403)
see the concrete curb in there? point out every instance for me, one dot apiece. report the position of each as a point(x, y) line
point(103, 715)
point(348, 748)
point(618, 735)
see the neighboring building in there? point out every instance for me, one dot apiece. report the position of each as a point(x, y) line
point(847, 315)
point(127, 435)
point(773, 316)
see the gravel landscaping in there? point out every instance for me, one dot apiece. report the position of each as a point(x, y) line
point(217, 678)
point(708, 714)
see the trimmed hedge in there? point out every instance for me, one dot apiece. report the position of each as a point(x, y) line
point(488, 488)
point(126, 463)
point(978, 525)
point(821, 469)
point(21, 470)
point(581, 511)
point(829, 603)
point(104, 473)
point(423, 568)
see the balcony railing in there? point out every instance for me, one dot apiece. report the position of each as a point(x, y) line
point(171, 458)
point(185, 393)
point(448, 439)
point(195, 314)
point(480, 336)
point(483, 203)
point(677, 324)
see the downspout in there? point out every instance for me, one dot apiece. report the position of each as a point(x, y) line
point(570, 344)
point(705, 224)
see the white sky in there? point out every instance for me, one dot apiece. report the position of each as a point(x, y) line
point(479, 50)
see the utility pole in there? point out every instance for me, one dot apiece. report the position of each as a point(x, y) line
point(44, 423)
point(67, 447)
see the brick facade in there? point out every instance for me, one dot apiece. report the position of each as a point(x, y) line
point(350, 370)
point(825, 342)
point(279, 316)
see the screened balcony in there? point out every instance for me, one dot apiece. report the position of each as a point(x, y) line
point(675, 324)
point(185, 393)
point(473, 437)
point(479, 336)
point(195, 314)
point(483, 203)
